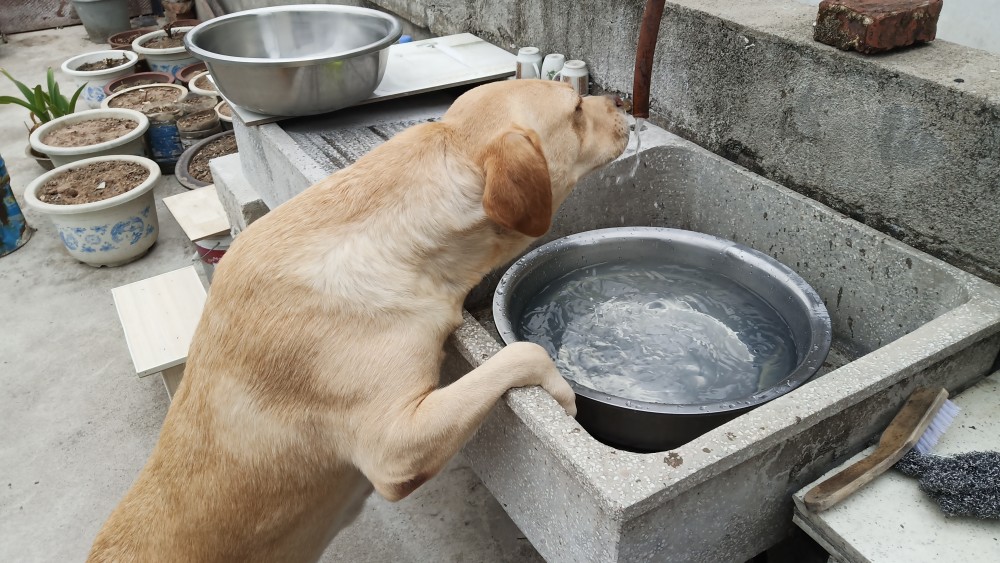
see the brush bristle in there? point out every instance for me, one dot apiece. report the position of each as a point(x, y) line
point(939, 425)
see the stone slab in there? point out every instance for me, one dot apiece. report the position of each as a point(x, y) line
point(892, 521)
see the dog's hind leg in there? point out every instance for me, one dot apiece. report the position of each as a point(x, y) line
point(420, 439)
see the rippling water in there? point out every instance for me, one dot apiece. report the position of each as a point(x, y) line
point(662, 333)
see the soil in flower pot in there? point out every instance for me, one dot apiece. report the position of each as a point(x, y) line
point(94, 182)
point(137, 82)
point(220, 147)
point(205, 83)
point(197, 126)
point(199, 121)
point(123, 39)
point(103, 64)
point(90, 132)
point(177, 40)
point(147, 97)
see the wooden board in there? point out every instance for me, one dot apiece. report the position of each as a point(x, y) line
point(199, 213)
point(159, 315)
point(426, 66)
point(892, 521)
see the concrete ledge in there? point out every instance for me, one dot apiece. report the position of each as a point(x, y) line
point(271, 160)
point(908, 142)
point(241, 200)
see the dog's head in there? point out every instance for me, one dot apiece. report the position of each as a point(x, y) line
point(533, 140)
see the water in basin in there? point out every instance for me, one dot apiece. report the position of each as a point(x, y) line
point(661, 333)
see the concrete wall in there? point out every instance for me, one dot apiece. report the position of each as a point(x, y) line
point(908, 143)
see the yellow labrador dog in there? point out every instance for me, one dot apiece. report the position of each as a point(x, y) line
point(314, 372)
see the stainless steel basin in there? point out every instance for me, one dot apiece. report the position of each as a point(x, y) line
point(656, 426)
point(296, 60)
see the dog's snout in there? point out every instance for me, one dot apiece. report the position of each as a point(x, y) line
point(618, 101)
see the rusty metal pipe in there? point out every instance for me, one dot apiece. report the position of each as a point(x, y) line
point(649, 28)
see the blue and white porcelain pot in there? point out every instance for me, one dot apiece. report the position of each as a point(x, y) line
point(110, 232)
point(97, 79)
point(168, 60)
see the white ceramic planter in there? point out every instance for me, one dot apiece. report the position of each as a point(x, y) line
point(181, 92)
point(128, 144)
point(111, 232)
point(164, 60)
point(96, 79)
point(227, 120)
point(201, 91)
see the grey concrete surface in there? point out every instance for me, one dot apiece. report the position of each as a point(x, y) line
point(76, 424)
point(241, 201)
point(907, 142)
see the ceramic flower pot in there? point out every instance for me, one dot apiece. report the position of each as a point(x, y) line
point(170, 59)
point(137, 79)
point(95, 80)
point(40, 159)
point(195, 85)
point(101, 18)
point(123, 39)
point(225, 112)
point(185, 74)
point(110, 103)
point(14, 230)
point(130, 143)
point(110, 232)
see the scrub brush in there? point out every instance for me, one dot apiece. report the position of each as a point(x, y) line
point(918, 425)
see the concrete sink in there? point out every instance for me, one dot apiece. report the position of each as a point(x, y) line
point(901, 318)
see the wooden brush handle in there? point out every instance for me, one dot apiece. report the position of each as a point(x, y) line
point(899, 437)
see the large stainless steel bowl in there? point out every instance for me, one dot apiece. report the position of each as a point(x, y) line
point(296, 60)
point(649, 426)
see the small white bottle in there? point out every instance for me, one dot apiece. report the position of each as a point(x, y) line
point(576, 74)
point(528, 62)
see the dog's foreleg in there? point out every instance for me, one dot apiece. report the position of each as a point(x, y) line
point(422, 438)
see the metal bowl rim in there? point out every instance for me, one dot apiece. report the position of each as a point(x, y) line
point(395, 32)
point(819, 317)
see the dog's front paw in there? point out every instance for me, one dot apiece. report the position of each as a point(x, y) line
point(537, 368)
point(560, 390)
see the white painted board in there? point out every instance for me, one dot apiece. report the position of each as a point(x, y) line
point(426, 66)
point(159, 316)
point(199, 212)
point(892, 521)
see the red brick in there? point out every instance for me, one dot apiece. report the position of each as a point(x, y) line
point(873, 26)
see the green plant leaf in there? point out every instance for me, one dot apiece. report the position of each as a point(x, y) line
point(50, 78)
point(18, 101)
point(25, 91)
point(60, 101)
point(72, 102)
point(42, 99)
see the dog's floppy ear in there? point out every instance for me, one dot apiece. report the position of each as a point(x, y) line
point(518, 191)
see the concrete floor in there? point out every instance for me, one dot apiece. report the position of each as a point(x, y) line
point(76, 424)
